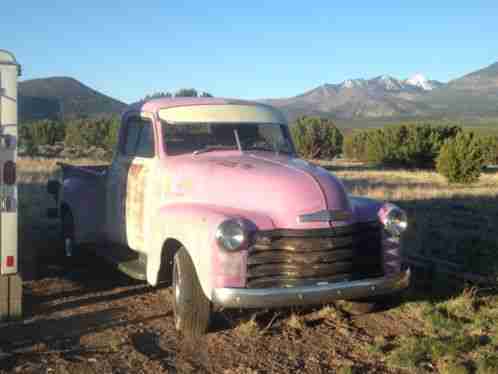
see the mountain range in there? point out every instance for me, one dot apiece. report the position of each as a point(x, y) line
point(381, 97)
point(388, 97)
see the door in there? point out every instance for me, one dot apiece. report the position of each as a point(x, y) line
point(127, 183)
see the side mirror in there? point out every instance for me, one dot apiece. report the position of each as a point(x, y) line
point(53, 188)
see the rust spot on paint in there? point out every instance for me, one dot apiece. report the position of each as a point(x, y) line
point(135, 200)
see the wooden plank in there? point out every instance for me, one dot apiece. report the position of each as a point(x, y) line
point(15, 291)
point(4, 297)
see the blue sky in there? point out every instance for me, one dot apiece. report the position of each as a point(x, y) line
point(246, 49)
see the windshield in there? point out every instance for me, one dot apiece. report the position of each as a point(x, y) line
point(203, 137)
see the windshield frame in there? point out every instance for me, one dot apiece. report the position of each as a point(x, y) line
point(284, 127)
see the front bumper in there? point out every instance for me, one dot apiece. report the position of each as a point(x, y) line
point(309, 295)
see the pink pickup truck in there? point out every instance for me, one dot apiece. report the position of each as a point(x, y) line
point(209, 195)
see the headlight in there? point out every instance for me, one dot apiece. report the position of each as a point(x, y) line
point(231, 234)
point(394, 219)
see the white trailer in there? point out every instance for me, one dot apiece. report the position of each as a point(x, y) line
point(10, 280)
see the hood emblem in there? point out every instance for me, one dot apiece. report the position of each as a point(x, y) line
point(325, 216)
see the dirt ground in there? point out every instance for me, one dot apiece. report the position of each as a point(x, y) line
point(85, 317)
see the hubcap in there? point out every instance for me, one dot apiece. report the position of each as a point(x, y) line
point(68, 247)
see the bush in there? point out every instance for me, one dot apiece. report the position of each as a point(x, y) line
point(412, 145)
point(45, 132)
point(355, 145)
point(84, 133)
point(461, 159)
point(316, 137)
point(489, 146)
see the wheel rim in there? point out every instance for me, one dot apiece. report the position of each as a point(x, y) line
point(68, 233)
point(177, 295)
point(68, 246)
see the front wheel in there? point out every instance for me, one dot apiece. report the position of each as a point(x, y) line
point(191, 307)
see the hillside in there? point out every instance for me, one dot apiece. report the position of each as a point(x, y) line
point(49, 97)
point(473, 94)
point(388, 97)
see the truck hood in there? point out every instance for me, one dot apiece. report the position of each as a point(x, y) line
point(281, 187)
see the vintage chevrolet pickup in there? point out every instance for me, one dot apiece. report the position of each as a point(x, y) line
point(209, 195)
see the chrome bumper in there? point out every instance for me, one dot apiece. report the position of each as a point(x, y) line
point(309, 295)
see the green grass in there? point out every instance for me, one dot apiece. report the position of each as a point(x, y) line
point(458, 334)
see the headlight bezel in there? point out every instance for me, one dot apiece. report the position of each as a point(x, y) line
point(394, 220)
point(227, 232)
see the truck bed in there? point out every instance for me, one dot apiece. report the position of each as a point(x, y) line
point(83, 171)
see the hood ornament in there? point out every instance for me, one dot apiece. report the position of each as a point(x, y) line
point(325, 216)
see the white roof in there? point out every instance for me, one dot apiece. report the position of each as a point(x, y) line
point(7, 58)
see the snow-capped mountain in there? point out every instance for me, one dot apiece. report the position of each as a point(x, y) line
point(353, 83)
point(386, 96)
point(419, 80)
point(381, 96)
point(389, 83)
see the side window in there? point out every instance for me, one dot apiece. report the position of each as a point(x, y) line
point(139, 138)
point(145, 146)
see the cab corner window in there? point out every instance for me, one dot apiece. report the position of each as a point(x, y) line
point(139, 138)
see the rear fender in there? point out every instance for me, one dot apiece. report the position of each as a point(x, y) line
point(86, 202)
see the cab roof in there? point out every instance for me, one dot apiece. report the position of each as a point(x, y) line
point(155, 105)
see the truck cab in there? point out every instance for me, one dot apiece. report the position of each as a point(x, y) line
point(209, 195)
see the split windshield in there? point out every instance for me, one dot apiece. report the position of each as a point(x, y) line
point(195, 138)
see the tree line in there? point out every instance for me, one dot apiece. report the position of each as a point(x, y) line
point(78, 133)
point(456, 153)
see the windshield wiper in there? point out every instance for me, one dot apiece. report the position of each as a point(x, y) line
point(277, 151)
point(210, 148)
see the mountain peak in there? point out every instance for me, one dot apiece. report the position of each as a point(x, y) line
point(353, 83)
point(419, 80)
point(387, 82)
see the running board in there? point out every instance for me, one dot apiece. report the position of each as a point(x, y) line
point(127, 261)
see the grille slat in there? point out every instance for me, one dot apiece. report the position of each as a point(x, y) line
point(288, 258)
point(300, 271)
point(299, 257)
point(298, 245)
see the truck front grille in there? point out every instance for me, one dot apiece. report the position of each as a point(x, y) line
point(289, 258)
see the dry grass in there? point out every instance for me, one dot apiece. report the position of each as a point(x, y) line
point(455, 223)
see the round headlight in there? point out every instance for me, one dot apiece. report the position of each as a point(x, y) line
point(231, 235)
point(394, 219)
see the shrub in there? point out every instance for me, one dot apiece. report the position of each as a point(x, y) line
point(489, 146)
point(461, 159)
point(96, 132)
point(317, 138)
point(407, 145)
point(355, 145)
point(45, 132)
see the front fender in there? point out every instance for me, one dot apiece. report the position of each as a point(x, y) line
point(368, 210)
point(194, 226)
point(364, 208)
